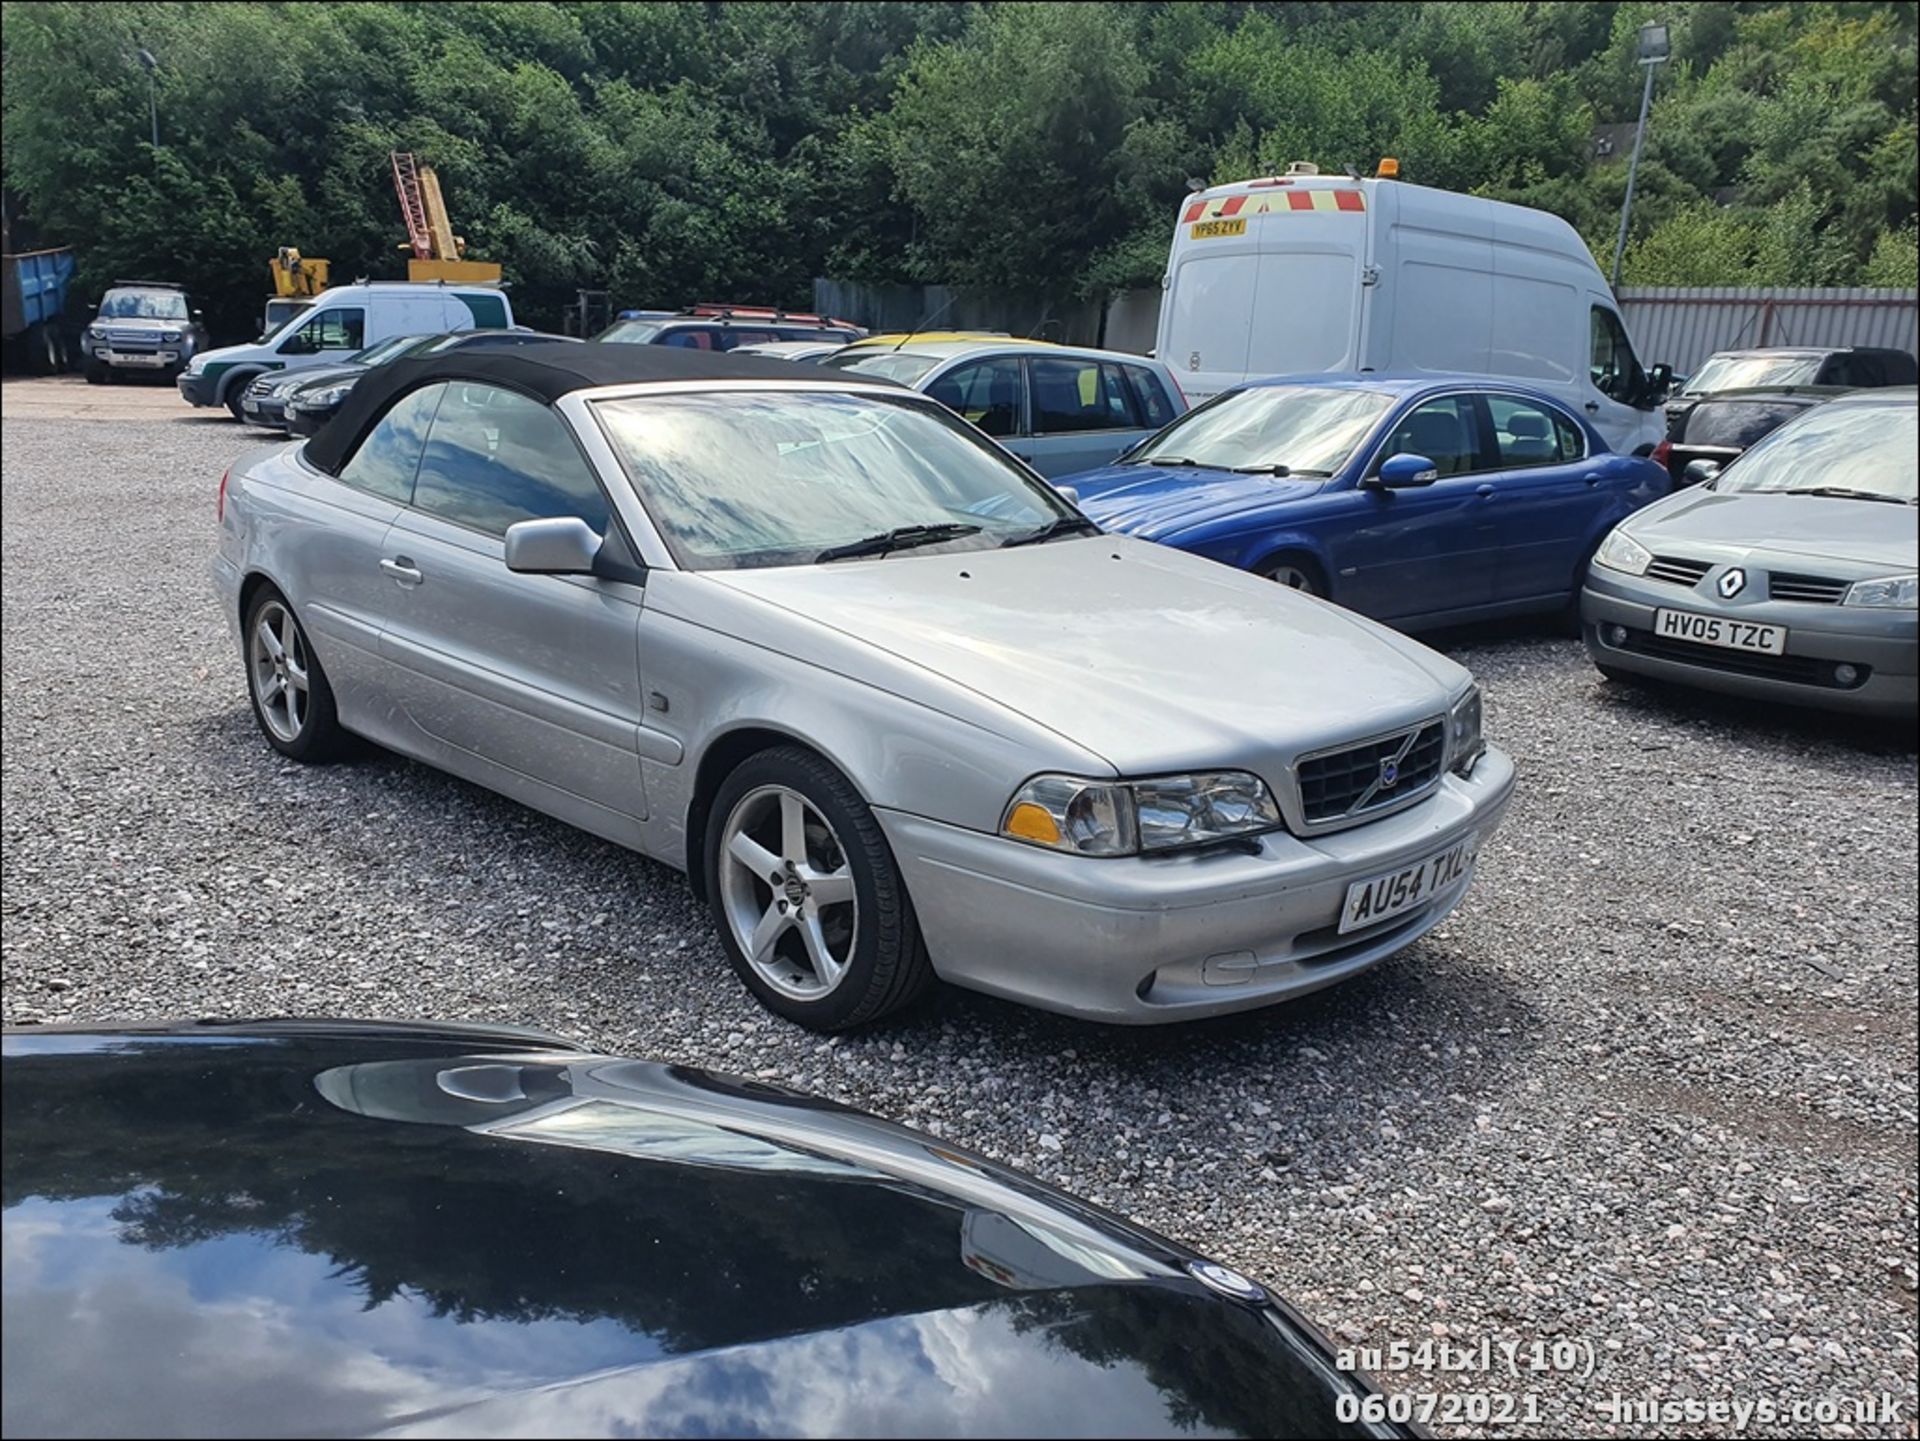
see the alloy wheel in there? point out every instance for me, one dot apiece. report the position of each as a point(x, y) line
point(277, 652)
point(1292, 577)
point(788, 892)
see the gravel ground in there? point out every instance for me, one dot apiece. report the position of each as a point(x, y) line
point(1652, 1088)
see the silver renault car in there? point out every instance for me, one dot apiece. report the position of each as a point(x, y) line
point(895, 706)
point(1790, 576)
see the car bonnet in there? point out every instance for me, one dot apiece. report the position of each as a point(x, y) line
point(1154, 502)
point(322, 1233)
point(1155, 660)
point(1864, 532)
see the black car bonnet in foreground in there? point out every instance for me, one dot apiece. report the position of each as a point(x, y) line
point(327, 1229)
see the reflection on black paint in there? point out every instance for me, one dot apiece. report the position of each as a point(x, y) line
point(185, 1182)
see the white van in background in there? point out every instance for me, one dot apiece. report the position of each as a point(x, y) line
point(1304, 273)
point(337, 323)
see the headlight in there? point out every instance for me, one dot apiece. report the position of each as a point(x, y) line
point(1621, 552)
point(169, 335)
point(96, 331)
point(1465, 743)
point(320, 399)
point(1893, 592)
point(1124, 818)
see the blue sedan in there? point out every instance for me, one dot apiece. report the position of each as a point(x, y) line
point(1417, 500)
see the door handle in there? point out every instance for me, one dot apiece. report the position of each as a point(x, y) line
point(1485, 492)
point(401, 568)
point(1593, 407)
point(1593, 479)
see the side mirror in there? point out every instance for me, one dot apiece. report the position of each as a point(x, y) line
point(564, 545)
point(1660, 379)
point(297, 345)
point(1403, 471)
point(1699, 472)
point(199, 315)
point(1071, 493)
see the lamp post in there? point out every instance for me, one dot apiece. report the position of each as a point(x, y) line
point(149, 64)
point(1654, 50)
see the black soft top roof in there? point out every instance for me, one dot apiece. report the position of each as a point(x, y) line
point(545, 372)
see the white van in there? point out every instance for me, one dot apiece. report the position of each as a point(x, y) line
point(1304, 273)
point(339, 322)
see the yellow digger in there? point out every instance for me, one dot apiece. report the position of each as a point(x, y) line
point(297, 279)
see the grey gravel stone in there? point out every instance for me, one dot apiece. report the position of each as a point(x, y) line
point(1652, 1088)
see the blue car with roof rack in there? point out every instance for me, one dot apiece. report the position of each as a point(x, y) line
point(1420, 500)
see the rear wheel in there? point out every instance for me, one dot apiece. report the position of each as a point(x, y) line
point(292, 700)
point(810, 905)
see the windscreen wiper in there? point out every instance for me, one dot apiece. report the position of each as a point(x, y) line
point(1282, 471)
point(901, 537)
point(1163, 460)
point(1842, 492)
point(1059, 525)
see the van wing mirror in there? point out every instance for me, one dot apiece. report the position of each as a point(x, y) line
point(1404, 470)
point(561, 545)
point(1659, 383)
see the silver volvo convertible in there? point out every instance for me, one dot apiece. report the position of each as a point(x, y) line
point(895, 706)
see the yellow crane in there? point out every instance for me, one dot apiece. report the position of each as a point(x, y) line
point(436, 252)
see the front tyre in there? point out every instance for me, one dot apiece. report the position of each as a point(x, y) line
point(236, 390)
point(291, 698)
point(1295, 573)
point(810, 905)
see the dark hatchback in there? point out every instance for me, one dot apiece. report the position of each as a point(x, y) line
point(334, 1228)
point(309, 406)
point(1710, 434)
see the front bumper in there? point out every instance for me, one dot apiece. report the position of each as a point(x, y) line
point(307, 422)
point(268, 411)
point(1883, 644)
point(201, 389)
point(140, 360)
point(1143, 940)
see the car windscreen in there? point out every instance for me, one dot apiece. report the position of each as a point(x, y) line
point(745, 479)
point(1307, 429)
point(1866, 449)
point(631, 332)
point(1749, 372)
point(143, 305)
point(391, 348)
point(903, 366)
point(1734, 423)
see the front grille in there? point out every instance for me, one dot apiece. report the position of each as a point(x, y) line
point(261, 386)
point(1678, 570)
point(133, 339)
point(1346, 783)
point(1813, 589)
point(1800, 669)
